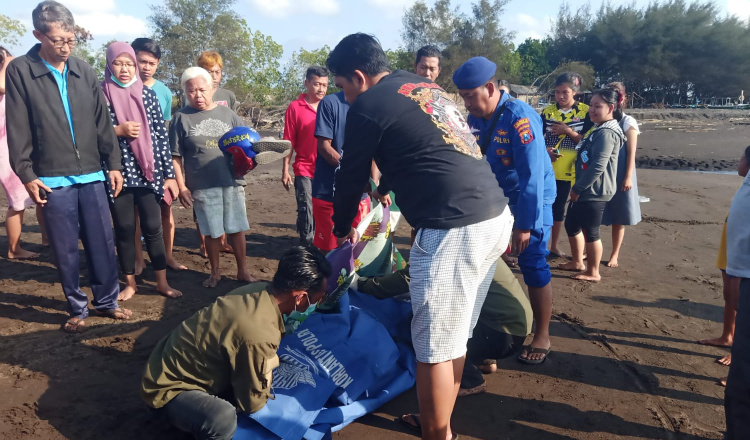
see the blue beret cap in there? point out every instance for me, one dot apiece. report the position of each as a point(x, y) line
point(474, 73)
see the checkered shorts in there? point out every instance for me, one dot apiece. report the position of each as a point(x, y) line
point(451, 270)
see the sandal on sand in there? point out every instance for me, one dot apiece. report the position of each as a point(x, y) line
point(479, 389)
point(118, 313)
point(417, 426)
point(74, 325)
point(532, 350)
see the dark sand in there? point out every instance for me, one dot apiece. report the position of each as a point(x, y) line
point(705, 140)
point(624, 365)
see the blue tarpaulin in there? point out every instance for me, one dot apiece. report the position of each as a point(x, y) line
point(334, 369)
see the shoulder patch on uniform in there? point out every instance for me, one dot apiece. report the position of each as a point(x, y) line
point(525, 135)
point(521, 123)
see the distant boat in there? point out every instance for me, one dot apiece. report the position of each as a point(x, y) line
point(721, 103)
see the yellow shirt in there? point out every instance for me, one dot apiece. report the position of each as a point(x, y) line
point(228, 346)
point(577, 119)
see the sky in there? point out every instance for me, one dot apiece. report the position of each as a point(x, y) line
point(308, 24)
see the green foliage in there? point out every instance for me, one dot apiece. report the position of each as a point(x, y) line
point(533, 54)
point(666, 52)
point(185, 28)
point(400, 59)
point(461, 36)
point(293, 76)
point(10, 31)
point(83, 50)
point(546, 83)
point(424, 25)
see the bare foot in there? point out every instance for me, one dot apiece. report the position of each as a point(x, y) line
point(169, 292)
point(139, 266)
point(246, 277)
point(612, 262)
point(723, 381)
point(726, 360)
point(572, 266)
point(489, 366)
point(202, 252)
point(212, 281)
point(717, 342)
point(174, 264)
point(227, 249)
point(557, 253)
point(74, 325)
point(587, 277)
point(127, 293)
point(118, 313)
point(22, 254)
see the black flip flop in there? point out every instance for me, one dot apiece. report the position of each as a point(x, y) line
point(532, 350)
point(417, 428)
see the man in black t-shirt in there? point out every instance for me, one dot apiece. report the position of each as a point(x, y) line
point(431, 161)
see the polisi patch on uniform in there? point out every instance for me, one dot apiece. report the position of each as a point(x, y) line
point(523, 127)
point(502, 133)
point(501, 152)
point(526, 136)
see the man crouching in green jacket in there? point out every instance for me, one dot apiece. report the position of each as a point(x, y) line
point(220, 360)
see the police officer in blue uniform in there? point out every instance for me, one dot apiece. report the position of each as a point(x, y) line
point(511, 136)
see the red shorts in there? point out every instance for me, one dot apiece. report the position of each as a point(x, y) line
point(323, 217)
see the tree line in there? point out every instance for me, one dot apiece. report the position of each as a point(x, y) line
point(667, 52)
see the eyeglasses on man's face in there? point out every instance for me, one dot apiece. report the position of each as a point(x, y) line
point(58, 44)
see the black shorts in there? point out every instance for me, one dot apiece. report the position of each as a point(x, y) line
point(563, 191)
point(586, 217)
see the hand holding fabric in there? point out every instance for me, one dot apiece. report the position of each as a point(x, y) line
point(352, 236)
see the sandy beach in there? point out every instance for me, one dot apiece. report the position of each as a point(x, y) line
point(625, 363)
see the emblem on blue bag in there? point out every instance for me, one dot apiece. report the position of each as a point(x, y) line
point(294, 369)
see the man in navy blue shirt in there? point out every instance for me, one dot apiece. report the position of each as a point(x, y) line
point(510, 134)
point(329, 129)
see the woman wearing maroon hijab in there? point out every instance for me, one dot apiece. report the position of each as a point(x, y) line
point(147, 168)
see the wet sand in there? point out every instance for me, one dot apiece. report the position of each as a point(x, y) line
point(624, 364)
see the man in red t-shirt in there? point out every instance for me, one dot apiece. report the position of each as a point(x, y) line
point(299, 129)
